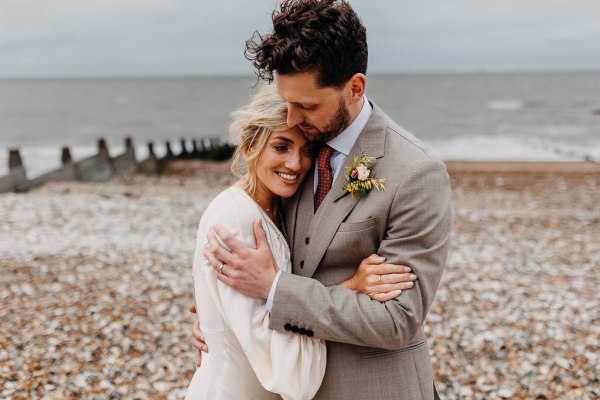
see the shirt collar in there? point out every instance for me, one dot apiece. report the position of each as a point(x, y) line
point(345, 140)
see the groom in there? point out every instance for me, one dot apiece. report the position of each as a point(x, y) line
point(317, 56)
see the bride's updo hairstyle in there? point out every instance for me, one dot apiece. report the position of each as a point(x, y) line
point(251, 127)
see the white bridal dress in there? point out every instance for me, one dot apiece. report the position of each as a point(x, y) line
point(246, 359)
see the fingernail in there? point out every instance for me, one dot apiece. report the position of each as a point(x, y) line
point(398, 293)
point(407, 269)
point(409, 284)
point(413, 276)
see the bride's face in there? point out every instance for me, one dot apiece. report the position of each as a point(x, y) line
point(283, 164)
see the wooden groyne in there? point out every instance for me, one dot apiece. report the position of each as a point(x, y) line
point(102, 167)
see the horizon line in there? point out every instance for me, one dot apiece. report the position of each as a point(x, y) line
point(119, 76)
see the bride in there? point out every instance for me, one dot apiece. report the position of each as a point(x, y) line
point(247, 360)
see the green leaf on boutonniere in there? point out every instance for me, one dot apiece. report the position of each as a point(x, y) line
point(344, 192)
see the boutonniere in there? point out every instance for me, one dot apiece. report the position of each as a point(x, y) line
point(360, 179)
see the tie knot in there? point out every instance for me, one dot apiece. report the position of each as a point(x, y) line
point(324, 156)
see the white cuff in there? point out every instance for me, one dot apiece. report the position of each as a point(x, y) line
point(271, 297)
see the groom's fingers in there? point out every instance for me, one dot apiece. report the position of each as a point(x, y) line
point(198, 358)
point(218, 252)
point(198, 342)
point(236, 246)
point(212, 260)
point(260, 235)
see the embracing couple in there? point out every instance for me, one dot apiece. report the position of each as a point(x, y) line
point(314, 273)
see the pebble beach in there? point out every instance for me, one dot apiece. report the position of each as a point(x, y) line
point(95, 283)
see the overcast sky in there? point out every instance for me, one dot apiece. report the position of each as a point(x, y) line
point(43, 38)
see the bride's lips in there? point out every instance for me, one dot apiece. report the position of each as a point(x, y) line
point(289, 178)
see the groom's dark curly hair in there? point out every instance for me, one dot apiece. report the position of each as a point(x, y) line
point(325, 36)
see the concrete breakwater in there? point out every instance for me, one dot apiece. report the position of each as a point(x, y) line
point(102, 167)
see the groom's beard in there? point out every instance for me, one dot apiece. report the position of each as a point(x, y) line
point(338, 123)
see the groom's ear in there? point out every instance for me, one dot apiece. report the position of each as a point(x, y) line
point(356, 87)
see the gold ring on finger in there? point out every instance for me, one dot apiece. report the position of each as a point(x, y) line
point(381, 283)
point(221, 268)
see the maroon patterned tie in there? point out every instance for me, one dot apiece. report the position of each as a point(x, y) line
point(325, 175)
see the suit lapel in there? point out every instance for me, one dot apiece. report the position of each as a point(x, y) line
point(290, 211)
point(330, 214)
point(302, 219)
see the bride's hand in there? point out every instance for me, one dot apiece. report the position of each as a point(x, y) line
point(379, 280)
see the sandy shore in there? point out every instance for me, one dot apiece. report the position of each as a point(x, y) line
point(96, 282)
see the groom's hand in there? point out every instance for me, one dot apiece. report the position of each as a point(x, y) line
point(248, 271)
point(198, 342)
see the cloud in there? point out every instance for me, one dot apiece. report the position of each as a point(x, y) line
point(188, 37)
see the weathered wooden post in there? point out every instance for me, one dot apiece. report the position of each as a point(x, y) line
point(125, 163)
point(97, 168)
point(150, 164)
point(65, 157)
point(184, 152)
point(169, 150)
point(128, 144)
point(14, 159)
point(168, 157)
point(67, 172)
point(102, 147)
point(16, 178)
point(195, 150)
point(151, 152)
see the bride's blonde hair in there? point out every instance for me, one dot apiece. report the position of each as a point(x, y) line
point(251, 127)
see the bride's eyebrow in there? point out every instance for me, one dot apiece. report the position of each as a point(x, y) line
point(283, 138)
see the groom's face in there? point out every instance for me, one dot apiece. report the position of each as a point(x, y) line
point(321, 113)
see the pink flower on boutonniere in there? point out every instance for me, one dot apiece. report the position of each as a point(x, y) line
point(360, 179)
point(363, 172)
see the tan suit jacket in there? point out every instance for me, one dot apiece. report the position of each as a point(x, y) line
point(374, 350)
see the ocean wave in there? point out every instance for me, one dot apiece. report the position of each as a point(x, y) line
point(39, 160)
point(509, 148)
point(505, 104)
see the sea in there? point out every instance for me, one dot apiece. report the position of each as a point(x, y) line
point(524, 117)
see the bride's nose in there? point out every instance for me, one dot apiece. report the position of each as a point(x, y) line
point(293, 162)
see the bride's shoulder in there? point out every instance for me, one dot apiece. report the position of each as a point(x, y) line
point(233, 202)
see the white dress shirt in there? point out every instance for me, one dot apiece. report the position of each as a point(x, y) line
point(342, 144)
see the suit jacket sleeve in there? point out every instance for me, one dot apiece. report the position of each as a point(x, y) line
point(417, 234)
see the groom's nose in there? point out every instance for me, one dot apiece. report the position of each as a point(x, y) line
point(294, 116)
